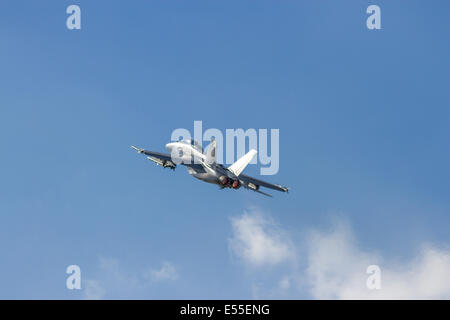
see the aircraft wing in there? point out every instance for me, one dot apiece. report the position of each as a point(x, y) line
point(162, 159)
point(254, 184)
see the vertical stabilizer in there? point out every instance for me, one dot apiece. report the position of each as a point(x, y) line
point(239, 166)
point(211, 153)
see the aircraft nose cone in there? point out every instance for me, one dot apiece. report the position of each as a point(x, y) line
point(169, 146)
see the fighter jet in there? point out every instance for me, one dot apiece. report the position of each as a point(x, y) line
point(202, 165)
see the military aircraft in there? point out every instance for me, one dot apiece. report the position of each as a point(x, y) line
point(202, 165)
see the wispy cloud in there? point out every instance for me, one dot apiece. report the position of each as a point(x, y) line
point(257, 240)
point(113, 281)
point(333, 264)
point(93, 290)
point(167, 272)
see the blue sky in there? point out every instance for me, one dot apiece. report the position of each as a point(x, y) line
point(364, 134)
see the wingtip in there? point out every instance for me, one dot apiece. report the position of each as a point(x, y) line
point(284, 189)
point(139, 150)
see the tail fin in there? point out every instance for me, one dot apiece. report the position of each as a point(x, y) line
point(239, 166)
point(211, 152)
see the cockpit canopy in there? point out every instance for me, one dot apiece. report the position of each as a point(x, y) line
point(194, 144)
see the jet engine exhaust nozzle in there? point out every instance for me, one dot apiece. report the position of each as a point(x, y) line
point(223, 180)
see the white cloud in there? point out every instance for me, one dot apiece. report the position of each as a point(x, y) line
point(337, 270)
point(166, 272)
point(258, 241)
point(334, 266)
